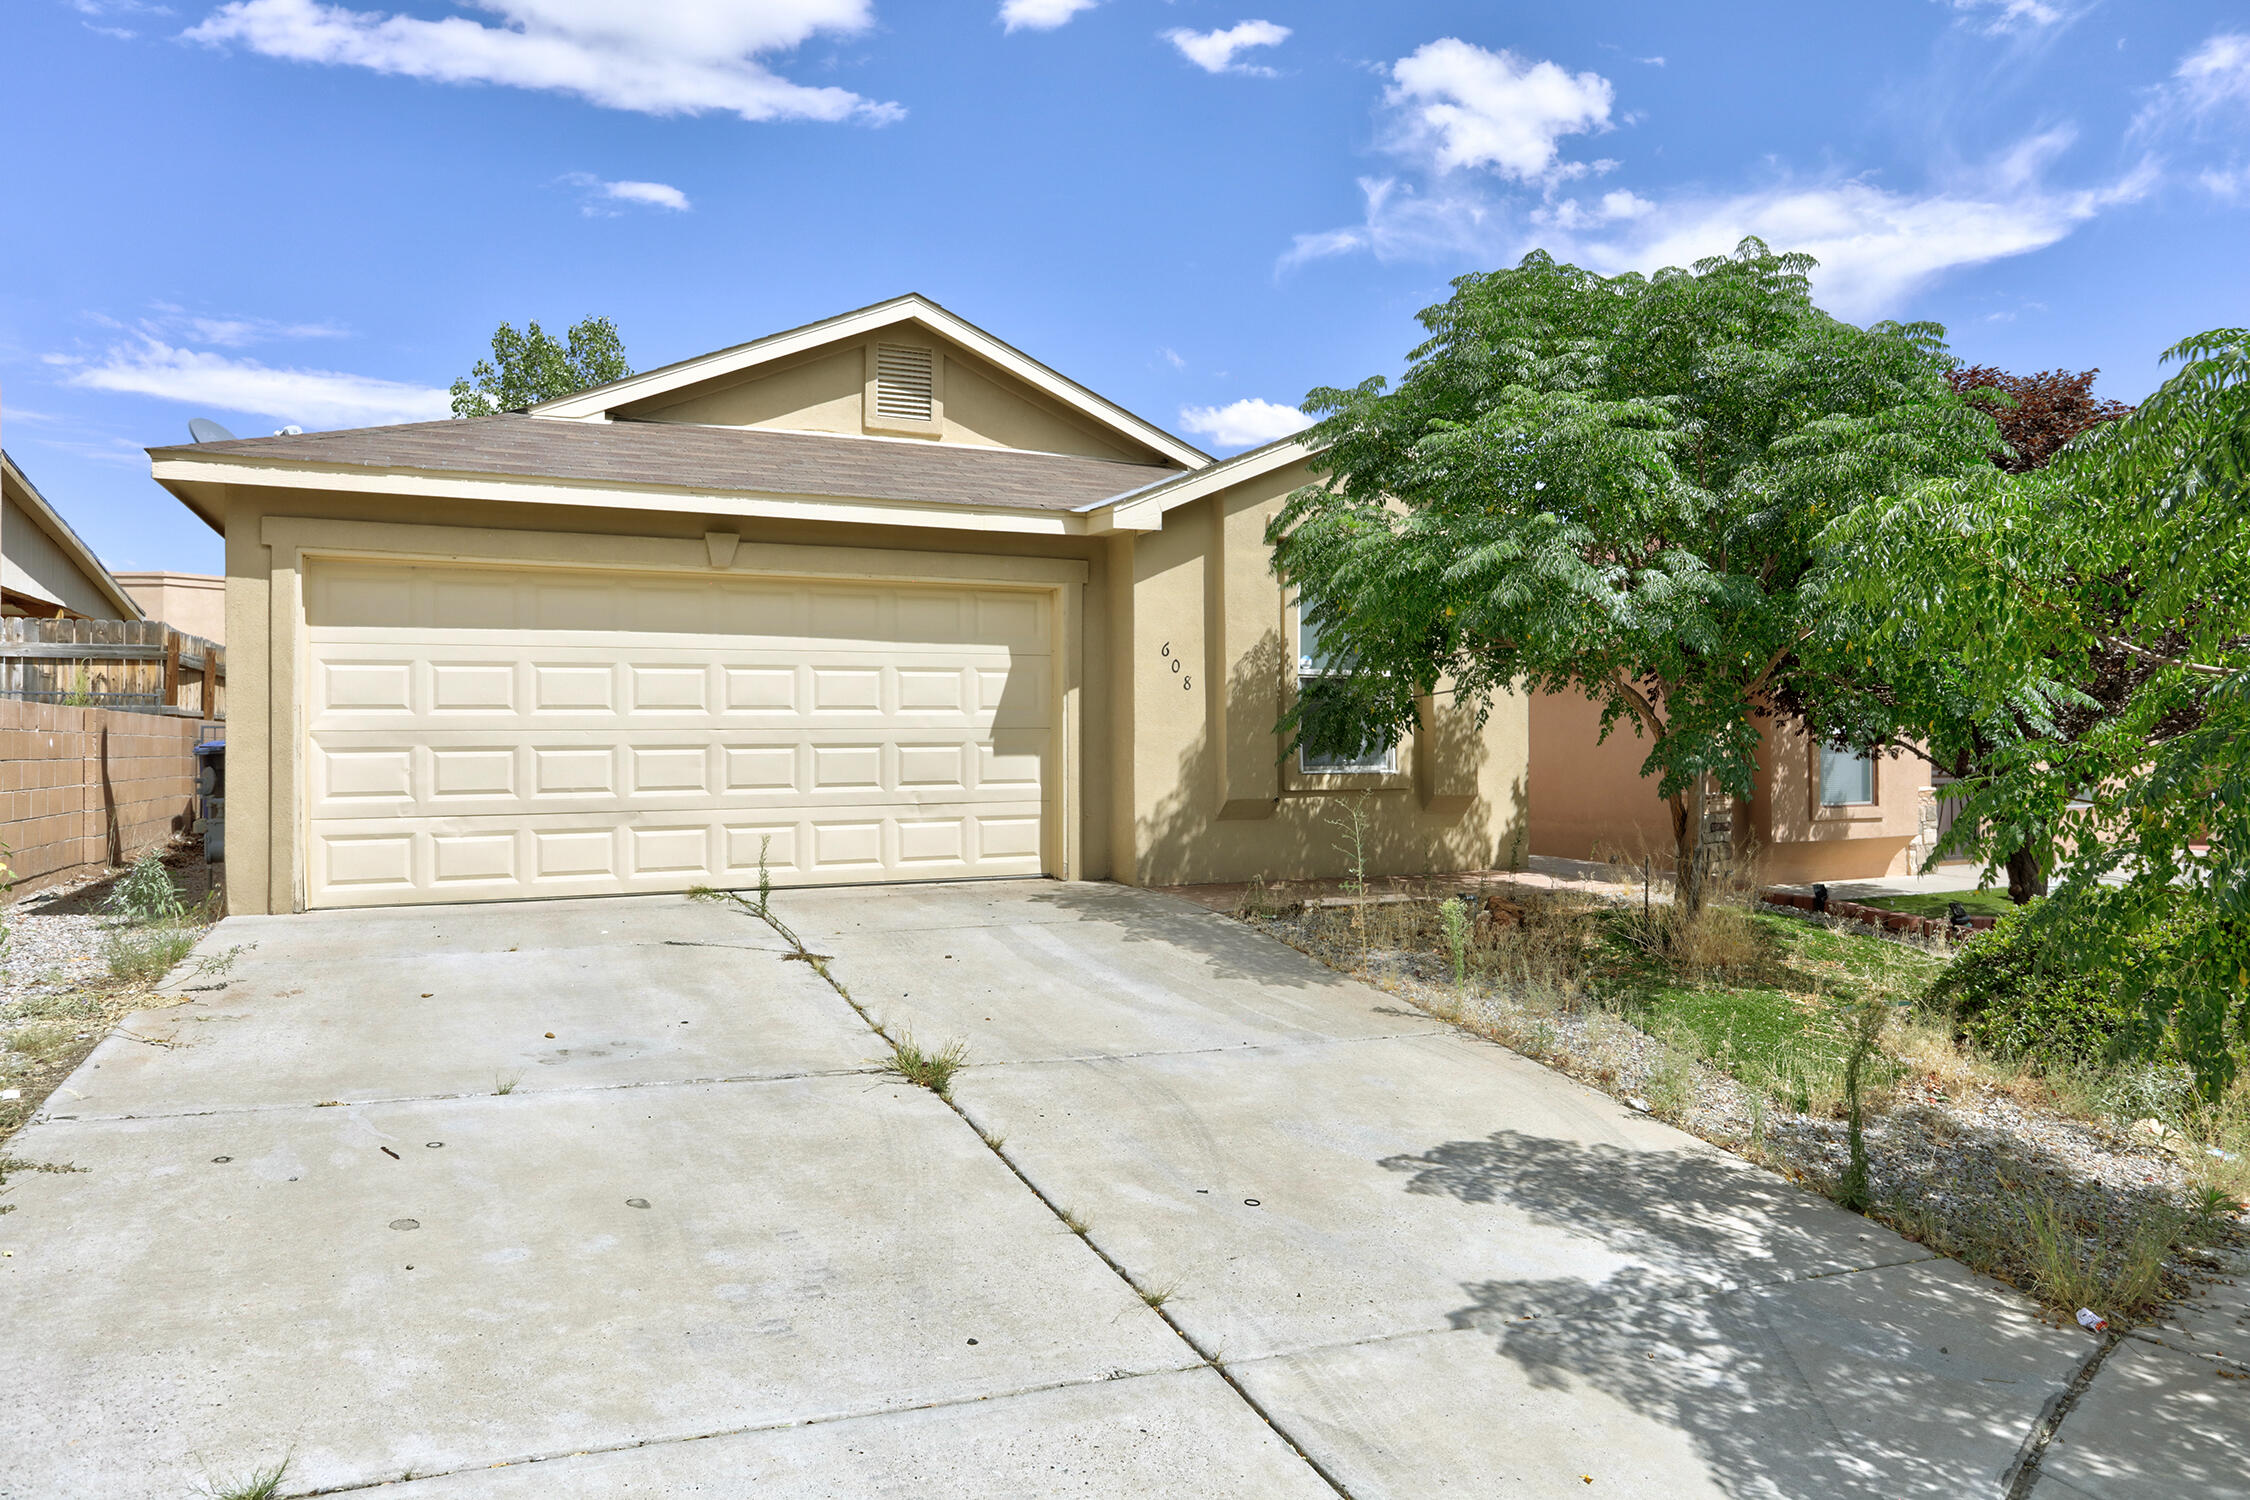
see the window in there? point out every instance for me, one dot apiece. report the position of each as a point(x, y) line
point(1332, 739)
point(1847, 778)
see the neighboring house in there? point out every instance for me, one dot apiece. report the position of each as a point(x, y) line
point(45, 571)
point(1815, 814)
point(192, 603)
point(881, 598)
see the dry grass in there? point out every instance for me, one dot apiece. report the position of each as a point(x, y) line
point(1769, 1011)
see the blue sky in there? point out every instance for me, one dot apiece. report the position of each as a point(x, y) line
point(280, 211)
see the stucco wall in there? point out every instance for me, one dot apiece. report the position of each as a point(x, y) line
point(194, 603)
point(977, 403)
point(1590, 801)
point(1212, 796)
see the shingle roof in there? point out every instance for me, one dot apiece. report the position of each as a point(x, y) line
point(681, 456)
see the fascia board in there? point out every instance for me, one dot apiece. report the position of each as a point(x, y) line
point(1144, 509)
point(595, 404)
point(177, 473)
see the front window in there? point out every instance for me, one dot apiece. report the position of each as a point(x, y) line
point(1333, 736)
point(1847, 778)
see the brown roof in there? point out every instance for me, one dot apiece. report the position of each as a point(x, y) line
point(678, 455)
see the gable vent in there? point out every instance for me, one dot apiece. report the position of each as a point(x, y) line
point(905, 383)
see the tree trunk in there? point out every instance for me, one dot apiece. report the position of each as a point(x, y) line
point(1687, 854)
point(2027, 876)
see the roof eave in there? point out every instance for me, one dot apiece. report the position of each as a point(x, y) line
point(1144, 508)
point(183, 473)
point(50, 520)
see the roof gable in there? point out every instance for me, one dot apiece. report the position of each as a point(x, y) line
point(820, 378)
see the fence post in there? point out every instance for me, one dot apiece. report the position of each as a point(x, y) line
point(171, 669)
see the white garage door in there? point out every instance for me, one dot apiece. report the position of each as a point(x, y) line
point(490, 734)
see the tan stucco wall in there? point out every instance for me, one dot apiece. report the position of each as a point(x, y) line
point(195, 603)
point(978, 404)
point(1209, 793)
point(1590, 801)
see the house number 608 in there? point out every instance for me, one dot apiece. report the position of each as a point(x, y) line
point(1187, 681)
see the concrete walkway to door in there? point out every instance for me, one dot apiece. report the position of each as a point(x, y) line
point(610, 1198)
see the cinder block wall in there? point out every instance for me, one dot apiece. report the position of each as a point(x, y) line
point(81, 786)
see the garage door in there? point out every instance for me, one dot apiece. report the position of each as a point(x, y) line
point(491, 734)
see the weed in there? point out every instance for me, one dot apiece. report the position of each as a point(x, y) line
point(505, 1083)
point(2067, 1272)
point(1866, 1031)
point(926, 1069)
point(1352, 820)
point(1257, 901)
point(1671, 1087)
point(991, 1140)
point(145, 895)
point(1155, 1294)
point(1453, 915)
point(143, 955)
point(1071, 1221)
point(259, 1484)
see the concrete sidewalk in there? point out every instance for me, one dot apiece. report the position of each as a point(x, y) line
point(608, 1198)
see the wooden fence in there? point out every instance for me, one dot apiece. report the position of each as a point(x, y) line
point(131, 664)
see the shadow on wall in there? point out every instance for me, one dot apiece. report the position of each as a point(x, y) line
point(1735, 1331)
point(1207, 827)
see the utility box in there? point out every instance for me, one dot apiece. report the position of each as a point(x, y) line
point(211, 789)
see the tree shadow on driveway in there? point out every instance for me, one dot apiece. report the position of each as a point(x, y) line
point(1804, 1351)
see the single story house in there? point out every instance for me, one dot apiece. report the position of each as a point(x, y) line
point(878, 598)
point(46, 571)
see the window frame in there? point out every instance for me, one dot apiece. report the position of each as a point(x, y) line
point(1308, 774)
point(1857, 807)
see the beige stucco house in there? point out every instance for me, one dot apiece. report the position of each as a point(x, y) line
point(46, 570)
point(881, 597)
point(1813, 814)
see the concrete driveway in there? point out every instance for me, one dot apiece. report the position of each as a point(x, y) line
point(610, 1198)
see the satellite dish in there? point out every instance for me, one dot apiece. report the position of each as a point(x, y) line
point(204, 430)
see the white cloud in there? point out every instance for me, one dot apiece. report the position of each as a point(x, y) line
point(1172, 356)
point(1876, 247)
point(1466, 107)
point(2216, 74)
point(2005, 17)
point(309, 398)
point(166, 320)
point(1040, 15)
point(2232, 184)
point(1244, 424)
point(601, 195)
point(653, 56)
point(1214, 51)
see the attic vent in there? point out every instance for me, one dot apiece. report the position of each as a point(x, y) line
point(905, 383)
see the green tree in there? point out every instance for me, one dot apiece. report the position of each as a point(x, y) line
point(529, 367)
point(1613, 485)
point(1917, 702)
point(2133, 543)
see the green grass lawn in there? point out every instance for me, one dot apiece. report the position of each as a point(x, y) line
point(1940, 903)
point(1775, 1021)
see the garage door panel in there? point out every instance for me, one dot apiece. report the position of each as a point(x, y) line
point(485, 734)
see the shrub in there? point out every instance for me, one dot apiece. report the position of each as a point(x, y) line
point(2019, 991)
point(145, 893)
